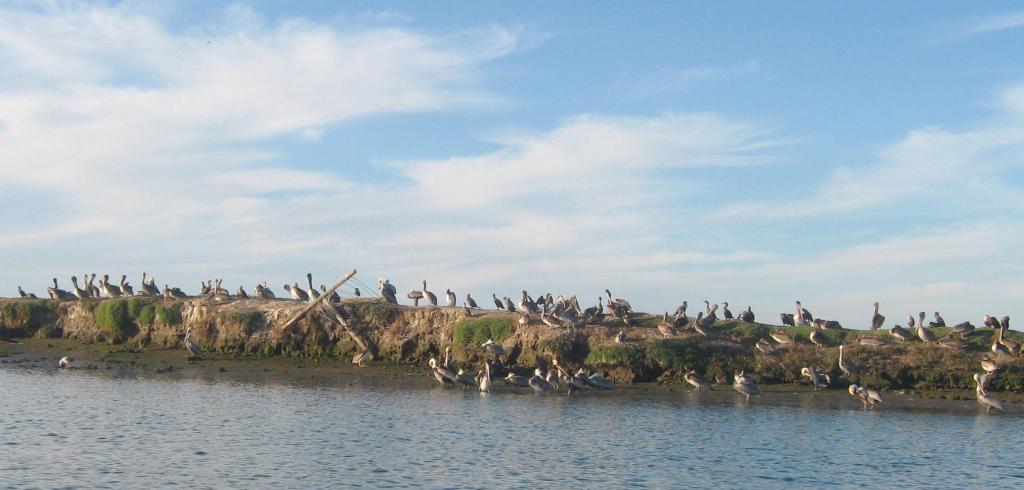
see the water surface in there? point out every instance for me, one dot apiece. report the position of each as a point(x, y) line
point(88, 429)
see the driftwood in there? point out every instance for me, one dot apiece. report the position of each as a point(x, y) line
point(326, 295)
point(331, 312)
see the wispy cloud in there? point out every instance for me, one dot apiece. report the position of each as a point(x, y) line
point(664, 81)
point(1000, 22)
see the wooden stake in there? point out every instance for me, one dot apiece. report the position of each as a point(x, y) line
point(323, 297)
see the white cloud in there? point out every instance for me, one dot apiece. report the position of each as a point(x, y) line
point(995, 23)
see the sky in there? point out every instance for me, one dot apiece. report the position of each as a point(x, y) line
point(835, 153)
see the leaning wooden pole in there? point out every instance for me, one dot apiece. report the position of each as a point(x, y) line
point(323, 297)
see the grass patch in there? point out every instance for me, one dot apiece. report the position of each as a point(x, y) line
point(250, 321)
point(114, 317)
point(633, 356)
point(27, 315)
point(169, 315)
point(475, 331)
point(147, 315)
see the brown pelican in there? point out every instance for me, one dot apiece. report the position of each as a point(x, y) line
point(847, 367)
point(509, 307)
point(818, 379)
point(571, 382)
point(313, 294)
point(449, 298)
point(982, 380)
point(297, 293)
point(59, 294)
point(126, 289)
point(764, 346)
point(1010, 345)
point(870, 341)
point(923, 332)
point(387, 290)
point(494, 348)
point(192, 346)
point(707, 306)
point(818, 337)
point(335, 297)
point(517, 380)
point(877, 320)
point(361, 358)
point(415, 296)
point(150, 286)
point(484, 378)
point(747, 315)
point(745, 386)
point(990, 321)
point(464, 378)
point(264, 292)
point(964, 329)
point(989, 365)
point(939, 321)
point(665, 327)
point(1004, 323)
point(442, 374)
point(803, 317)
point(711, 318)
point(526, 304)
point(696, 380)
point(448, 363)
point(600, 382)
point(910, 321)
point(948, 342)
point(471, 301)
point(173, 293)
point(787, 319)
point(726, 313)
point(93, 290)
point(782, 338)
point(901, 334)
point(429, 296)
point(79, 292)
point(23, 294)
point(109, 289)
point(698, 324)
point(997, 347)
point(868, 396)
point(986, 400)
point(618, 301)
point(65, 362)
point(539, 383)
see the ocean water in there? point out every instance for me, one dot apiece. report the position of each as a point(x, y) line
point(88, 429)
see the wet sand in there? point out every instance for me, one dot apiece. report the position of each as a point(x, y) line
point(173, 364)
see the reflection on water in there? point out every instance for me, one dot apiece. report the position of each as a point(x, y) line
point(86, 430)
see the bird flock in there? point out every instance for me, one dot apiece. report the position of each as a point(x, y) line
point(566, 312)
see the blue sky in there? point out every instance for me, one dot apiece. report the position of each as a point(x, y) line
point(831, 152)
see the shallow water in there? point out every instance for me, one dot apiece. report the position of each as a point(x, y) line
point(97, 430)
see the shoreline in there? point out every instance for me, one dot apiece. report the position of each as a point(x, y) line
point(172, 364)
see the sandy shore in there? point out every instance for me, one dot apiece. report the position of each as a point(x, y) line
point(173, 364)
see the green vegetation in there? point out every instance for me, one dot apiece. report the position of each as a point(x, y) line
point(26, 315)
point(169, 315)
point(250, 321)
point(114, 317)
point(147, 315)
point(475, 331)
point(380, 313)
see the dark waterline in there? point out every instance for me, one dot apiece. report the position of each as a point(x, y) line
point(89, 430)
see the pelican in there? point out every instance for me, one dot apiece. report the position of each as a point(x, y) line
point(665, 327)
point(449, 298)
point(986, 400)
point(803, 317)
point(939, 321)
point(108, 289)
point(726, 313)
point(997, 347)
point(745, 386)
point(982, 380)
point(782, 338)
point(150, 287)
point(1004, 323)
point(264, 292)
point(787, 319)
point(484, 379)
point(335, 297)
point(910, 321)
point(950, 343)
point(818, 379)
point(877, 320)
point(93, 290)
point(517, 380)
point(619, 301)
point(707, 306)
point(552, 377)
point(711, 318)
point(497, 302)
point(23, 294)
point(538, 383)
point(696, 380)
point(192, 346)
point(964, 329)
point(620, 338)
point(429, 296)
point(989, 365)
point(173, 293)
point(313, 293)
point(126, 289)
point(923, 332)
point(818, 337)
point(572, 382)
point(747, 315)
point(868, 396)
point(59, 294)
point(527, 305)
point(65, 362)
point(901, 334)
point(524, 319)
point(387, 290)
point(494, 348)
point(415, 296)
point(600, 382)
point(464, 378)
point(1010, 345)
point(442, 374)
point(698, 324)
point(870, 341)
point(845, 366)
point(362, 358)
point(471, 301)
point(990, 321)
point(80, 293)
point(765, 346)
point(297, 293)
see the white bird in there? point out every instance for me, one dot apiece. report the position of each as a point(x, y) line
point(599, 381)
point(819, 380)
point(745, 386)
point(986, 400)
point(494, 348)
point(696, 380)
point(538, 383)
point(442, 374)
point(484, 378)
point(868, 396)
point(65, 362)
point(449, 298)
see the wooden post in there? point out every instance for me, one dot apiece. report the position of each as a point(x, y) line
point(323, 297)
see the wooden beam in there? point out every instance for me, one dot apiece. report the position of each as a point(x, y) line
point(324, 296)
